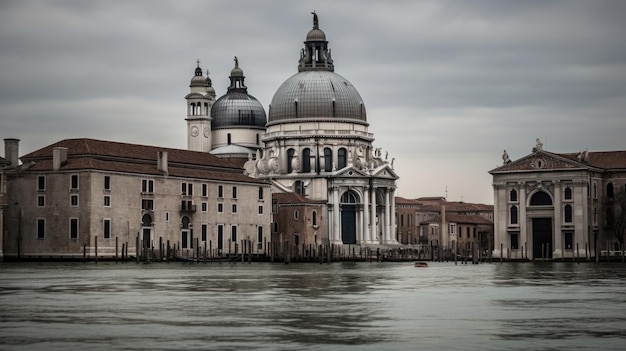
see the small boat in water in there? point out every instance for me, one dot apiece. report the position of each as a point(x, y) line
point(421, 264)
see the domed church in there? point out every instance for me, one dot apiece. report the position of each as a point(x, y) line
point(230, 126)
point(315, 143)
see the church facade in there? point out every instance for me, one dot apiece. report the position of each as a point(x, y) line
point(317, 144)
point(560, 205)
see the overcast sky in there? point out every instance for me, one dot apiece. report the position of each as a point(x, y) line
point(448, 85)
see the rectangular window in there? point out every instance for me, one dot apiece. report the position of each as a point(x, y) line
point(260, 193)
point(106, 231)
point(147, 204)
point(233, 233)
point(220, 191)
point(107, 201)
point(234, 192)
point(260, 209)
point(107, 182)
point(234, 208)
point(41, 183)
point(74, 181)
point(187, 189)
point(74, 200)
point(41, 228)
point(452, 228)
point(147, 186)
point(73, 228)
point(274, 206)
point(220, 207)
point(259, 237)
point(568, 240)
point(205, 206)
point(204, 228)
point(205, 190)
point(167, 216)
point(41, 200)
point(515, 241)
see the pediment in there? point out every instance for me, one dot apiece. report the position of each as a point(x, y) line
point(385, 171)
point(351, 172)
point(539, 161)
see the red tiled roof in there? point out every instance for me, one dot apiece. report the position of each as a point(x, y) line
point(102, 148)
point(89, 154)
point(292, 198)
point(602, 159)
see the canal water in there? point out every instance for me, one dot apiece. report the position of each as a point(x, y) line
point(338, 306)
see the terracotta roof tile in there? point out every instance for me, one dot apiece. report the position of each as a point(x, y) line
point(88, 154)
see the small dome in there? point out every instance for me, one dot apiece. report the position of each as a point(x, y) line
point(238, 109)
point(319, 95)
point(316, 34)
point(198, 80)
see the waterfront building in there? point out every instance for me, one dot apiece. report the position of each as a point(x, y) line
point(86, 194)
point(317, 144)
point(297, 220)
point(464, 224)
point(560, 205)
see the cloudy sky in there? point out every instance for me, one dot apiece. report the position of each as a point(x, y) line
point(448, 85)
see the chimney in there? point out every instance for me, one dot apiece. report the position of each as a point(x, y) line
point(59, 157)
point(11, 151)
point(162, 161)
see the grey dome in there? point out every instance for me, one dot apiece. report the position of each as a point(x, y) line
point(237, 109)
point(316, 34)
point(318, 95)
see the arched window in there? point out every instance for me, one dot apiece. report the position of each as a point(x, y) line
point(298, 187)
point(314, 218)
point(342, 158)
point(514, 215)
point(568, 213)
point(348, 198)
point(513, 195)
point(185, 222)
point(328, 159)
point(609, 191)
point(290, 154)
point(306, 160)
point(146, 220)
point(568, 193)
point(540, 198)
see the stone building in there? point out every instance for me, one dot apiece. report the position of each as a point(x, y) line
point(317, 144)
point(559, 205)
point(297, 220)
point(77, 194)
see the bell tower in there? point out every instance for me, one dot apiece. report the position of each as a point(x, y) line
point(199, 102)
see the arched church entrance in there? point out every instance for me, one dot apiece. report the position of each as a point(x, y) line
point(349, 204)
point(542, 235)
point(146, 231)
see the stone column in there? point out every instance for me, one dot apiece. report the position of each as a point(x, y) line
point(387, 229)
point(337, 221)
point(392, 198)
point(557, 251)
point(366, 216)
point(373, 227)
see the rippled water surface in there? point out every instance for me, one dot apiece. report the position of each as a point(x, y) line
point(339, 306)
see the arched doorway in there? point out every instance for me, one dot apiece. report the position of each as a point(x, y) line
point(348, 203)
point(146, 231)
point(542, 235)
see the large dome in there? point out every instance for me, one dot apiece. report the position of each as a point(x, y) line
point(319, 95)
point(237, 109)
